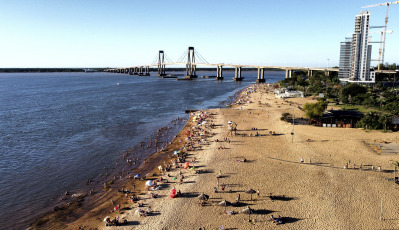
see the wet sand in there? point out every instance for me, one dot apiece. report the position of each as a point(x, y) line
point(316, 194)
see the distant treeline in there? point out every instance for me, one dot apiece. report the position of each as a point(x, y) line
point(44, 70)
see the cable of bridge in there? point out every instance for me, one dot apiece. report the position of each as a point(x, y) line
point(182, 57)
point(200, 57)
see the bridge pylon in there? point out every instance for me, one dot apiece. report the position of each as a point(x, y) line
point(261, 75)
point(237, 74)
point(288, 73)
point(146, 71)
point(219, 72)
point(190, 65)
point(161, 64)
point(141, 71)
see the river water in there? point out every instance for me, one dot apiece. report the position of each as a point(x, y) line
point(59, 129)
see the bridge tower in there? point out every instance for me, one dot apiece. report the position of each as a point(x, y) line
point(261, 75)
point(237, 75)
point(161, 63)
point(190, 65)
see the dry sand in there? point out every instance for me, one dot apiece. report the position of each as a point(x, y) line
point(316, 194)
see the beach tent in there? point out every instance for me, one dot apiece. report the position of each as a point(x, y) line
point(172, 193)
point(149, 183)
point(186, 165)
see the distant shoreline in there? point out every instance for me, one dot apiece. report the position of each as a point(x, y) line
point(63, 70)
point(46, 70)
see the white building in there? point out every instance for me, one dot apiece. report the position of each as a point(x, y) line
point(355, 53)
point(285, 93)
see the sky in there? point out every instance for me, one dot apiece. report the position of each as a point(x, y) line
point(124, 33)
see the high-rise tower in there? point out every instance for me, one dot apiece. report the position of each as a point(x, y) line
point(355, 53)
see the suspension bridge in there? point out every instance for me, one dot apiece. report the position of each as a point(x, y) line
point(191, 59)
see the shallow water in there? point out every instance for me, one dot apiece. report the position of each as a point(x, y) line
point(59, 129)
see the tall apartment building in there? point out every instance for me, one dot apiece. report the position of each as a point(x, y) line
point(355, 53)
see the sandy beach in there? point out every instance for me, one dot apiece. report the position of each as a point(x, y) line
point(318, 193)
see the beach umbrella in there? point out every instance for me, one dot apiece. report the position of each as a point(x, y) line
point(106, 219)
point(149, 183)
point(174, 178)
point(172, 193)
point(186, 165)
point(251, 191)
point(224, 203)
point(137, 176)
point(176, 152)
point(203, 197)
point(247, 210)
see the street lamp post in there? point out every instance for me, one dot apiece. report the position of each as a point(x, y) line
point(293, 123)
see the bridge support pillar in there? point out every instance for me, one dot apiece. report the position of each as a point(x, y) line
point(130, 71)
point(140, 71)
point(237, 74)
point(146, 71)
point(327, 73)
point(261, 76)
point(135, 71)
point(161, 64)
point(190, 66)
point(219, 73)
point(288, 73)
point(310, 73)
point(127, 71)
point(118, 70)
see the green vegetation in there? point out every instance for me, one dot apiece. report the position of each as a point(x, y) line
point(378, 102)
point(315, 110)
point(361, 108)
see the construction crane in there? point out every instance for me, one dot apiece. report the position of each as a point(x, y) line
point(382, 50)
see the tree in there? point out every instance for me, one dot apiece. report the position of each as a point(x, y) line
point(385, 119)
point(314, 110)
point(370, 120)
point(352, 90)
